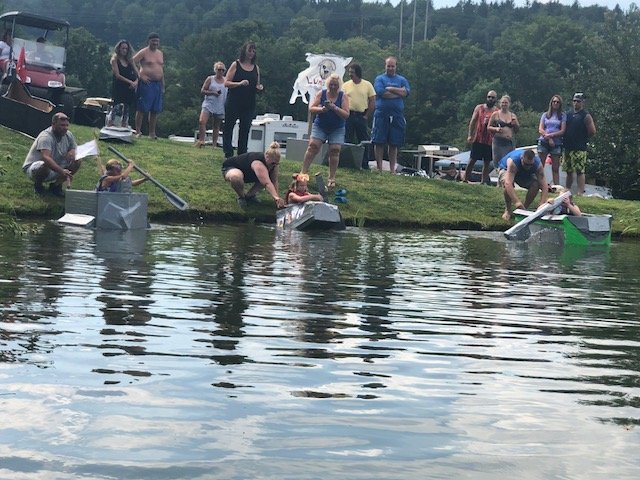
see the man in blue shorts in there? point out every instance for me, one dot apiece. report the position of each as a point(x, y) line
point(150, 62)
point(388, 119)
point(524, 168)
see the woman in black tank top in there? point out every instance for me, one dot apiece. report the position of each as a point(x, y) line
point(243, 82)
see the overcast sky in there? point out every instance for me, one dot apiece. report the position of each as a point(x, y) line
point(624, 4)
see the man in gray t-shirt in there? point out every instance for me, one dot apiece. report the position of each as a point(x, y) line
point(52, 157)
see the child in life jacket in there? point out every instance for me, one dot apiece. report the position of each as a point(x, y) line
point(114, 179)
point(298, 190)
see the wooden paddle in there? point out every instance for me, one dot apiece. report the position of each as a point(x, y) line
point(519, 231)
point(174, 199)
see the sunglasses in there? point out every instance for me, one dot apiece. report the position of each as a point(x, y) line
point(577, 100)
point(220, 70)
point(489, 97)
point(555, 101)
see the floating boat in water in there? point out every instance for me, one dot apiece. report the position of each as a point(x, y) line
point(310, 216)
point(105, 210)
point(585, 229)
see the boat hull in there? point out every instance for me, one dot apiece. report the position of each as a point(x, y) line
point(21, 111)
point(310, 216)
point(585, 229)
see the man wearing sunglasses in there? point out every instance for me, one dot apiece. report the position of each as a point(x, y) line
point(480, 138)
point(580, 128)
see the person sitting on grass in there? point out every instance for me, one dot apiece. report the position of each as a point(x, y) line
point(451, 173)
point(259, 168)
point(567, 207)
point(524, 168)
point(114, 179)
point(299, 192)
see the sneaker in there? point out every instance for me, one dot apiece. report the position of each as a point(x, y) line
point(56, 190)
point(38, 188)
point(253, 199)
point(242, 203)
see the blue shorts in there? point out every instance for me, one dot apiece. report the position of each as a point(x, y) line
point(149, 97)
point(545, 149)
point(388, 129)
point(334, 137)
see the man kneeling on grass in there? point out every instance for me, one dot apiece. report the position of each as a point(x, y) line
point(524, 168)
point(52, 157)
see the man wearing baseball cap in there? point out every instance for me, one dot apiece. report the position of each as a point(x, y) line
point(580, 128)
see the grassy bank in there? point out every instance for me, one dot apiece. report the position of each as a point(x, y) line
point(374, 199)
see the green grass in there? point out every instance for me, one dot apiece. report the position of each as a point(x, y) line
point(374, 199)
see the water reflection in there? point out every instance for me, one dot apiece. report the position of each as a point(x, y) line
point(364, 353)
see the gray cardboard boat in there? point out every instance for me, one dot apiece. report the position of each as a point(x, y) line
point(105, 210)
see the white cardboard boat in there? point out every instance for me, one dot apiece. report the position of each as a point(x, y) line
point(310, 216)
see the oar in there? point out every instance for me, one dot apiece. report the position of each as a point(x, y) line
point(514, 232)
point(174, 199)
point(320, 186)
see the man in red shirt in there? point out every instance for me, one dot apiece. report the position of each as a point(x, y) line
point(480, 138)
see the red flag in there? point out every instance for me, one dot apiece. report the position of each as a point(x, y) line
point(21, 69)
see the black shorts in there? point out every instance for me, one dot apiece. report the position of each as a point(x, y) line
point(480, 151)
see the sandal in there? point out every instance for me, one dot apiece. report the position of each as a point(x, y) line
point(331, 183)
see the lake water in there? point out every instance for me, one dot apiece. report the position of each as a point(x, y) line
point(241, 352)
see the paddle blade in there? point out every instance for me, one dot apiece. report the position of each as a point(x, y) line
point(320, 186)
point(175, 200)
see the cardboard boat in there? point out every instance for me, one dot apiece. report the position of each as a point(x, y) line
point(310, 216)
point(585, 229)
point(105, 210)
point(21, 111)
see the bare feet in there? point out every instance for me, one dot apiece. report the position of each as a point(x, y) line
point(506, 216)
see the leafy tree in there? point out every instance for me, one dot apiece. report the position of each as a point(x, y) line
point(613, 76)
point(88, 63)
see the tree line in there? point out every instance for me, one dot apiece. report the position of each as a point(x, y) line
point(530, 53)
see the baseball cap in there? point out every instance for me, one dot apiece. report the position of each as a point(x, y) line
point(579, 96)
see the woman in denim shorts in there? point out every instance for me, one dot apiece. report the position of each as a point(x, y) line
point(551, 129)
point(331, 107)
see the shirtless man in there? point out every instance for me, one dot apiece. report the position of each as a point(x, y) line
point(150, 62)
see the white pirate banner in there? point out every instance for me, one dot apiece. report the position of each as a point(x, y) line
point(311, 80)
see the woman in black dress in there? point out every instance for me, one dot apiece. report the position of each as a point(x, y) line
point(243, 82)
point(124, 84)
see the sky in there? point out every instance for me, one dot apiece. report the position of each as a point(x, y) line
point(624, 4)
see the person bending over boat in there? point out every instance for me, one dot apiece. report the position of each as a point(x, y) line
point(114, 179)
point(299, 191)
point(52, 157)
point(258, 168)
point(524, 168)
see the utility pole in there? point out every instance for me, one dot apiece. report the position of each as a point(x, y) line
point(400, 37)
point(413, 28)
point(426, 19)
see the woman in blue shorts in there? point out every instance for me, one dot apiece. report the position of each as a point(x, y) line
point(553, 123)
point(331, 107)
